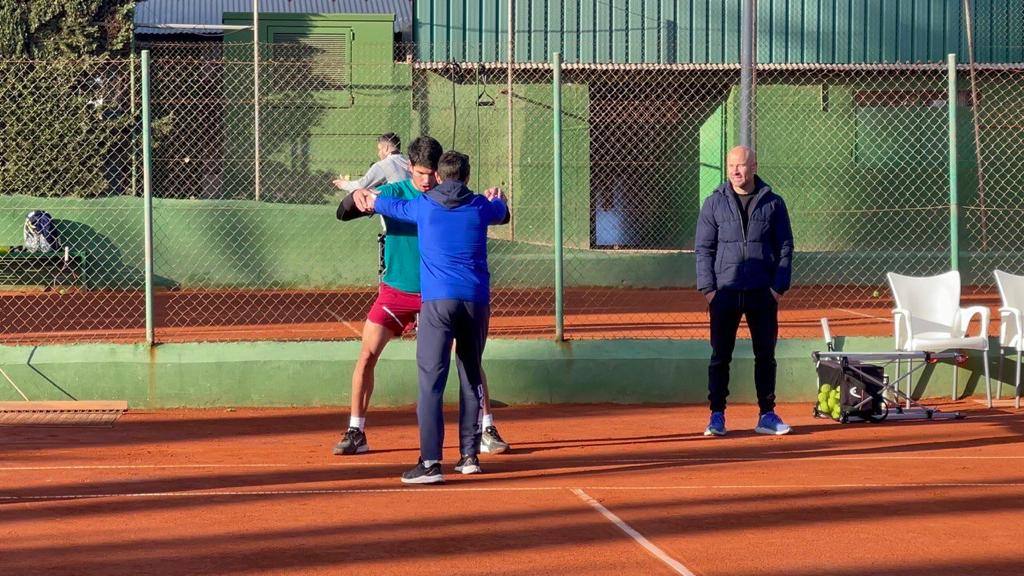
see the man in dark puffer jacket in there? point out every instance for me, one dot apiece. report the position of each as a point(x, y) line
point(744, 257)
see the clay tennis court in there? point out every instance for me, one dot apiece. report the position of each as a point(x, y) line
point(595, 489)
point(238, 315)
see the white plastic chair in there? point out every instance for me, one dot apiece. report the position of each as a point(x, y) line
point(1011, 329)
point(928, 318)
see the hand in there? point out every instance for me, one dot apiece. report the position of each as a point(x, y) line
point(776, 295)
point(364, 200)
point(339, 183)
point(494, 194)
point(711, 295)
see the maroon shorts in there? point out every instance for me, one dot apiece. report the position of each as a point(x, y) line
point(395, 309)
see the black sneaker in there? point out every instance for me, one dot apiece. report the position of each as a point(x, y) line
point(423, 474)
point(491, 442)
point(353, 442)
point(468, 465)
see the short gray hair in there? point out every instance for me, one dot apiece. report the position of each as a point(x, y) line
point(392, 140)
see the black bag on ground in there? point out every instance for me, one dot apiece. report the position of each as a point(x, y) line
point(860, 388)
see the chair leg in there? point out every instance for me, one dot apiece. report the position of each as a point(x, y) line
point(956, 376)
point(910, 380)
point(999, 376)
point(899, 372)
point(1016, 387)
point(988, 383)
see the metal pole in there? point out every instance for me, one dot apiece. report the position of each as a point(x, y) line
point(954, 193)
point(147, 197)
point(747, 38)
point(556, 107)
point(256, 92)
point(508, 89)
point(976, 109)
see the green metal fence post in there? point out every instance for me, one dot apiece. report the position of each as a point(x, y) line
point(954, 196)
point(131, 90)
point(147, 195)
point(556, 107)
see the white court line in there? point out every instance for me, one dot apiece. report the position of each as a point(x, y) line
point(863, 315)
point(595, 462)
point(351, 327)
point(346, 323)
point(647, 544)
point(424, 489)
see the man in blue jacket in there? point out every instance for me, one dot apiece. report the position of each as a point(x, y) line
point(455, 289)
point(744, 258)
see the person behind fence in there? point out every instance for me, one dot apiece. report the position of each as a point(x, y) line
point(391, 166)
point(744, 251)
point(398, 300)
point(452, 223)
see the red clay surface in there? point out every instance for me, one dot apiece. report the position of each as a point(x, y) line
point(257, 492)
point(184, 316)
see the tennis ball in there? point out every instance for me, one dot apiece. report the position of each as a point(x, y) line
point(875, 294)
point(823, 407)
point(822, 396)
point(825, 388)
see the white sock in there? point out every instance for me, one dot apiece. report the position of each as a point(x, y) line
point(487, 421)
point(354, 422)
point(429, 463)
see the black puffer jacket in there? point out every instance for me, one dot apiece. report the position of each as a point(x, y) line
point(729, 256)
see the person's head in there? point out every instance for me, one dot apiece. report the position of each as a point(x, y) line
point(453, 166)
point(741, 165)
point(388, 144)
point(424, 153)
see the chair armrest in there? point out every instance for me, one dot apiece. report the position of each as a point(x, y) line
point(966, 314)
point(1004, 335)
point(901, 327)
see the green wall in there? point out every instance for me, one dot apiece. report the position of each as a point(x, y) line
point(242, 243)
point(451, 112)
point(318, 373)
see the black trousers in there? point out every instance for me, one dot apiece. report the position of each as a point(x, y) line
point(762, 313)
point(440, 323)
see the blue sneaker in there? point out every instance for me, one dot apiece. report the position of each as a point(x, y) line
point(716, 427)
point(770, 423)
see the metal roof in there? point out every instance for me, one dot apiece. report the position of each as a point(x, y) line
point(708, 31)
point(152, 15)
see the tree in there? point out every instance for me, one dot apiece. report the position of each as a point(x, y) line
point(68, 125)
point(45, 29)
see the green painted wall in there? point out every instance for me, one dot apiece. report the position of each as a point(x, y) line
point(310, 131)
point(318, 373)
point(450, 112)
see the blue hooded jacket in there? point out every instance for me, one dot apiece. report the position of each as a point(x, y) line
point(452, 223)
point(733, 258)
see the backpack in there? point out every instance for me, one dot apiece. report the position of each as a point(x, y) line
point(40, 232)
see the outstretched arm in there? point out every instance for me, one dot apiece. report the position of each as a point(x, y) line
point(355, 205)
point(403, 210)
point(374, 177)
point(499, 212)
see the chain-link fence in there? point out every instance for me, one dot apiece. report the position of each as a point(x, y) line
point(70, 146)
point(246, 244)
